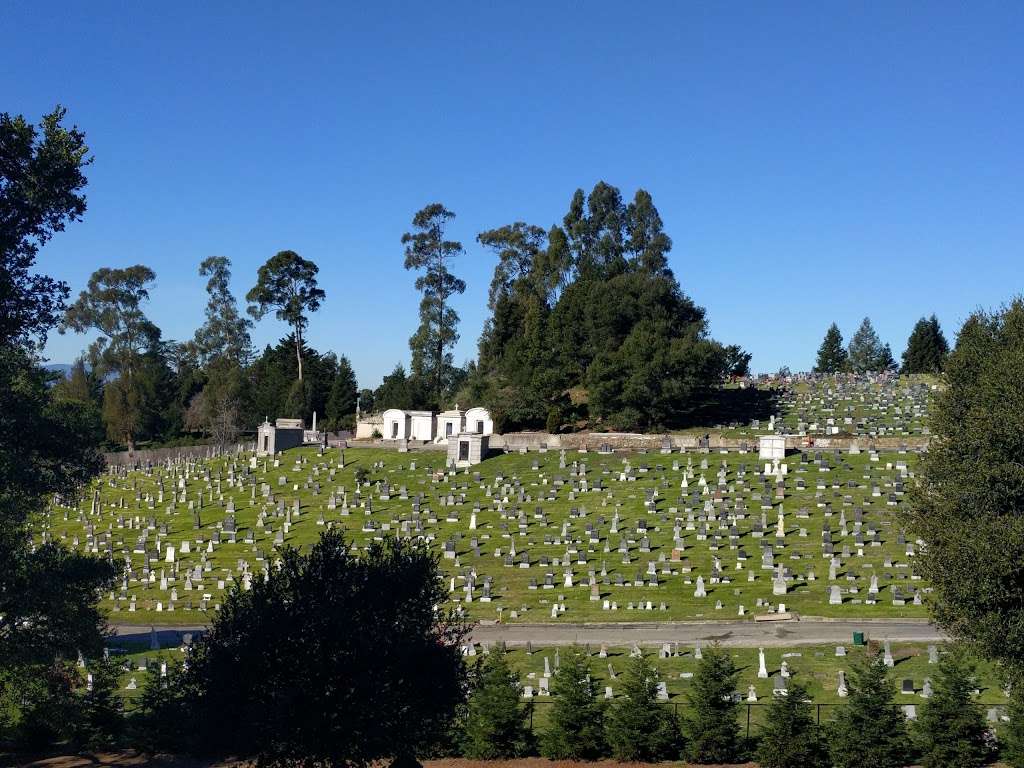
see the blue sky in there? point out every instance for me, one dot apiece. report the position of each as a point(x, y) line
point(812, 162)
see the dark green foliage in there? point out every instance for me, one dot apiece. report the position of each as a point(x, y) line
point(590, 309)
point(272, 381)
point(637, 728)
point(576, 720)
point(367, 403)
point(341, 404)
point(711, 727)
point(44, 703)
point(334, 658)
point(737, 362)
point(870, 731)
point(48, 594)
point(427, 250)
point(1013, 734)
point(397, 391)
point(41, 182)
point(791, 738)
point(950, 729)
point(867, 353)
point(832, 356)
point(496, 721)
point(969, 506)
point(927, 348)
point(100, 722)
point(287, 285)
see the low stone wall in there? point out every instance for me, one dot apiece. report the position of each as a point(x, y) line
point(160, 455)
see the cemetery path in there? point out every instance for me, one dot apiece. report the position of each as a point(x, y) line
point(730, 633)
point(777, 634)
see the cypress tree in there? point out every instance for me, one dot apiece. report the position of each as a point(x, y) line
point(871, 729)
point(951, 729)
point(791, 738)
point(636, 726)
point(711, 728)
point(832, 357)
point(576, 730)
point(927, 348)
point(496, 720)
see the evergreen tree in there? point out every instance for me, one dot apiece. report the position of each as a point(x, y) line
point(866, 352)
point(711, 728)
point(870, 731)
point(496, 720)
point(968, 505)
point(576, 723)
point(950, 727)
point(927, 348)
point(426, 249)
point(1013, 735)
point(832, 357)
point(341, 405)
point(886, 362)
point(395, 391)
point(100, 721)
point(791, 738)
point(637, 728)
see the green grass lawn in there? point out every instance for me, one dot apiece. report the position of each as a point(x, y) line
point(823, 499)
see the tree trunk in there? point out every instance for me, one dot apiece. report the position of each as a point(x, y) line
point(298, 352)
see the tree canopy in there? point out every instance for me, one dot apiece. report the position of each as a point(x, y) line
point(969, 505)
point(927, 348)
point(372, 671)
point(587, 321)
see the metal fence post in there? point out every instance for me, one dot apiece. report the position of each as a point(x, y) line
point(748, 720)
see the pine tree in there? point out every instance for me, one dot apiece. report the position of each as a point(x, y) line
point(951, 728)
point(576, 730)
point(636, 726)
point(100, 720)
point(870, 731)
point(791, 738)
point(1013, 735)
point(927, 348)
point(886, 362)
point(866, 352)
point(496, 720)
point(832, 357)
point(341, 405)
point(711, 727)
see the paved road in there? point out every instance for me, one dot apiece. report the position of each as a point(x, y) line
point(732, 633)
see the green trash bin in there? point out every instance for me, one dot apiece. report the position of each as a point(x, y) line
point(858, 638)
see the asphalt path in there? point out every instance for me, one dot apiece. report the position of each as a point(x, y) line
point(749, 634)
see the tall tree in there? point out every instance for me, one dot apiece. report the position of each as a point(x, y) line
point(711, 728)
point(496, 721)
point(866, 352)
point(870, 730)
point(426, 249)
point(341, 405)
point(287, 285)
point(225, 334)
point(791, 738)
point(42, 177)
point(832, 356)
point(636, 726)
point(48, 594)
point(969, 504)
point(950, 729)
point(576, 723)
point(112, 305)
point(927, 348)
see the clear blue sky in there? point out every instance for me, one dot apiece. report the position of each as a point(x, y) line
point(812, 162)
